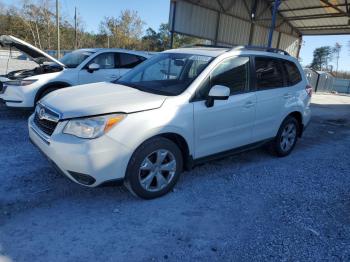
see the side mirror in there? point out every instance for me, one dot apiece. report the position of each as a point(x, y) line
point(217, 92)
point(93, 67)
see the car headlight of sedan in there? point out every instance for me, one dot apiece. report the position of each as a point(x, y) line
point(92, 127)
point(20, 82)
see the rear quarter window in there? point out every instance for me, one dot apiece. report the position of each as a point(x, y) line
point(292, 73)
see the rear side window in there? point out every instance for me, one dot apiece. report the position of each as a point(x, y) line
point(129, 60)
point(292, 73)
point(269, 73)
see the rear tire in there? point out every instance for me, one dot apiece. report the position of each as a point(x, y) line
point(154, 168)
point(286, 138)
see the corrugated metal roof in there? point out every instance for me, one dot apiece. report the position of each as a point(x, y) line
point(321, 17)
point(229, 22)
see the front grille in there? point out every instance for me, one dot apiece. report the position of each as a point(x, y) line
point(44, 125)
point(45, 119)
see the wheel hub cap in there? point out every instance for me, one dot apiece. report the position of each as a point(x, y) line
point(157, 170)
point(288, 137)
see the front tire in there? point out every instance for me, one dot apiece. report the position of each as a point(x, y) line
point(286, 138)
point(154, 168)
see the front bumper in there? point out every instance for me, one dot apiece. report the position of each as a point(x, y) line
point(86, 162)
point(16, 96)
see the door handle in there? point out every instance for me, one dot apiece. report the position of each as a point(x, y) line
point(113, 76)
point(249, 104)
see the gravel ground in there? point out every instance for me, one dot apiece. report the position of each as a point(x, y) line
point(250, 207)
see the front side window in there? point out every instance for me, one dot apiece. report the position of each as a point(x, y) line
point(105, 61)
point(269, 73)
point(75, 58)
point(293, 74)
point(232, 72)
point(166, 73)
point(129, 60)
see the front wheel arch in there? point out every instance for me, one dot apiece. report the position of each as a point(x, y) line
point(54, 85)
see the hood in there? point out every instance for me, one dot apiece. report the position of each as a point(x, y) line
point(34, 53)
point(100, 98)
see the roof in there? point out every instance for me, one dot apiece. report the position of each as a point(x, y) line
point(317, 17)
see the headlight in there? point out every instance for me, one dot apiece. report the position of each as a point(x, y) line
point(92, 127)
point(21, 82)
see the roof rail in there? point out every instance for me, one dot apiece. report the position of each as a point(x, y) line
point(262, 48)
point(248, 47)
point(205, 45)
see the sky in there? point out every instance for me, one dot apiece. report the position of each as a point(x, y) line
point(155, 12)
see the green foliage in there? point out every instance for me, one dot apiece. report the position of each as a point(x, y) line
point(321, 58)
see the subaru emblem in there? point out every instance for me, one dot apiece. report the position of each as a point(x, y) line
point(42, 113)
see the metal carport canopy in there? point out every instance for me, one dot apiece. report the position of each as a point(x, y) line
point(317, 17)
point(250, 21)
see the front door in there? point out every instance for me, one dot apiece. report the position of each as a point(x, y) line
point(229, 123)
point(107, 72)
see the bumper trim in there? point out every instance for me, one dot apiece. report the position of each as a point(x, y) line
point(12, 101)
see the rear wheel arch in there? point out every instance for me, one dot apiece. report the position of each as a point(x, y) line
point(45, 88)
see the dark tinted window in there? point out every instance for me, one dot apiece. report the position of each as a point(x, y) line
point(129, 60)
point(233, 73)
point(293, 74)
point(269, 73)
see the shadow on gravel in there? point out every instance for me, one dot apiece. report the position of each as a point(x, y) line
point(13, 113)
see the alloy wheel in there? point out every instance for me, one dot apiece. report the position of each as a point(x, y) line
point(288, 137)
point(157, 170)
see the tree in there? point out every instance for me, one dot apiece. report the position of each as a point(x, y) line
point(151, 41)
point(321, 58)
point(336, 51)
point(161, 41)
point(124, 31)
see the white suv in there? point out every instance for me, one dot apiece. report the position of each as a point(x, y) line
point(177, 109)
point(23, 88)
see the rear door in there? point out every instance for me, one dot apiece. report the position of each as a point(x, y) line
point(271, 96)
point(108, 69)
point(229, 123)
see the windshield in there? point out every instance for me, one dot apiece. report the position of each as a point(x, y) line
point(72, 60)
point(166, 73)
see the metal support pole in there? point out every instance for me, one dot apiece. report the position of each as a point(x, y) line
point(58, 30)
point(273, 22)
point(217, 28)
point(173, 5)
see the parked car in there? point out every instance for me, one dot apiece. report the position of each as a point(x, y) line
point(24, 88)
point(179, 108)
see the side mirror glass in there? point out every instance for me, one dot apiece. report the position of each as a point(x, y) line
point(217, 92)
point(93, 67)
